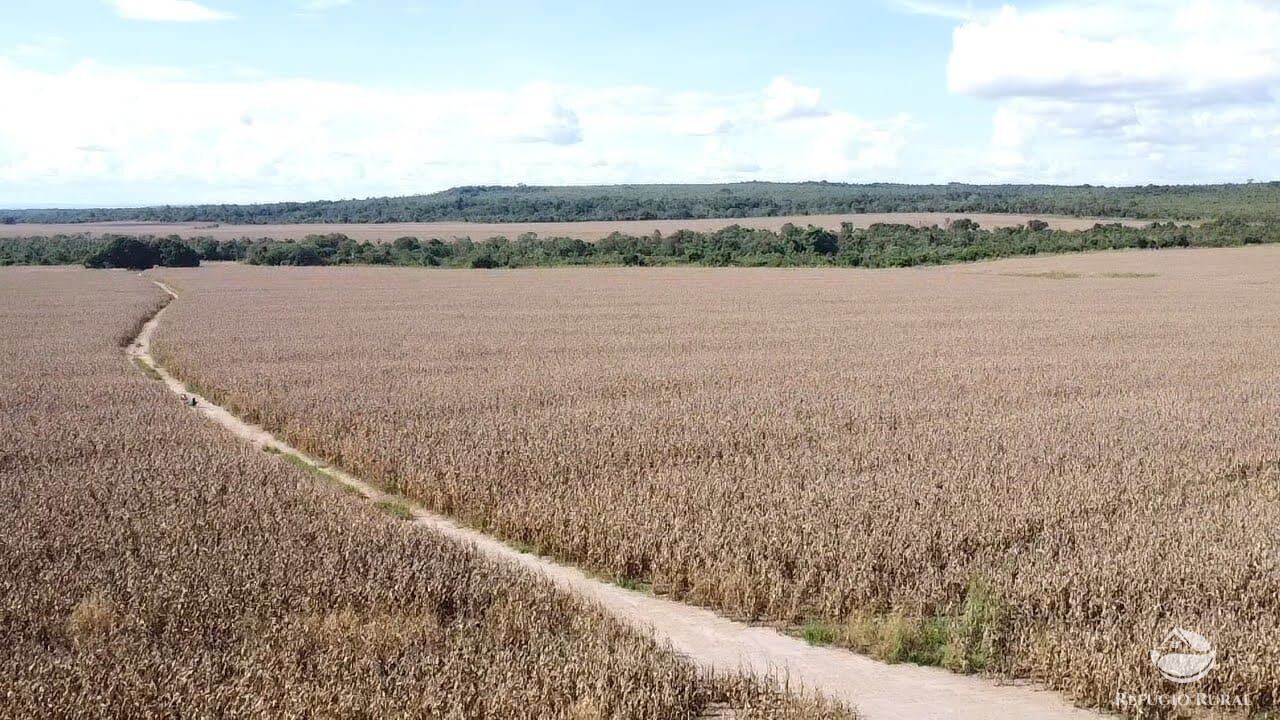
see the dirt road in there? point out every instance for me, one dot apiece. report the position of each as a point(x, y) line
point(879, 691)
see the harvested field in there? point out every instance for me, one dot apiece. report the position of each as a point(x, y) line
point(1036, 467)
point(587, 230)
point(151, 566)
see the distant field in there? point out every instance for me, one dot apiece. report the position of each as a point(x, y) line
point(586, 230)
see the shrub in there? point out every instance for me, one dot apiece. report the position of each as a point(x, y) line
point(175, 253)
point(124, 252)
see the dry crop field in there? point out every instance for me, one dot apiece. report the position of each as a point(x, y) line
point(583, 230)
point(1035, 467)
point(151, 566)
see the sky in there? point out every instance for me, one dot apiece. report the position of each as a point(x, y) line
point(129, 102)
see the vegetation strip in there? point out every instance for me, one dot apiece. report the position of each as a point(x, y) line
point(878, 246)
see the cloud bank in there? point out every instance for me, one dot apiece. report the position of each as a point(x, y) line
point(1170, 90)
point(158, 136)
point(1114, 93)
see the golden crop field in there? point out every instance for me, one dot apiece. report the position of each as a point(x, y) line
point(153, 566)
point(1034, 467)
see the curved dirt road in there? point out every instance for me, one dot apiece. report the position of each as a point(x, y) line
point(879, 691)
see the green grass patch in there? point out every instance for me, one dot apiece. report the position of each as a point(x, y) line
point(319, 471)
point(300, 462)
point(967, 639)
point(1126, 275)
point(147, 369)
point(626, 582)
point(977, 632)
point(896, 637)
point(922, 641)
point(817, 632)
point(634, 584)
point(395, 509)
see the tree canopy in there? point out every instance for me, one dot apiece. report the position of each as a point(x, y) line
point(883, 245)
point(521, 203)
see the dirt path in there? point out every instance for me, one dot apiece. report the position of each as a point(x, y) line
point(879, 691)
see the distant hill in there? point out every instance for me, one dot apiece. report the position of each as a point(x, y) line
point(1255, 201)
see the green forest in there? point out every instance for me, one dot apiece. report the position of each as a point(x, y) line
point(884, 245)
point(1252, 201)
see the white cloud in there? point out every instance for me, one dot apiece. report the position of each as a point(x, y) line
point(1125, 142)
point(847, 145)
point(167, 11)
point(1224, 50)
point(1147, 91)
point(710, 122)
point(785, 100)
point(541, 115)
point(160, 136)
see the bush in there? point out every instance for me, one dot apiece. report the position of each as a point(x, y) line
point(124, 252)
point(175, 253)
point(303, 255)
point(821, 241)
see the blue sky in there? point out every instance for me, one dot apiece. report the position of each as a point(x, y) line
point(150, 101)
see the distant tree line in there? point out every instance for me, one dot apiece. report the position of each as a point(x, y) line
point(736, 200)
point(884, 245)
point(108, 251)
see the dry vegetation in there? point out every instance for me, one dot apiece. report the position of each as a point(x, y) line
point(583, 230)
point(151, 566)
point(978, 466)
